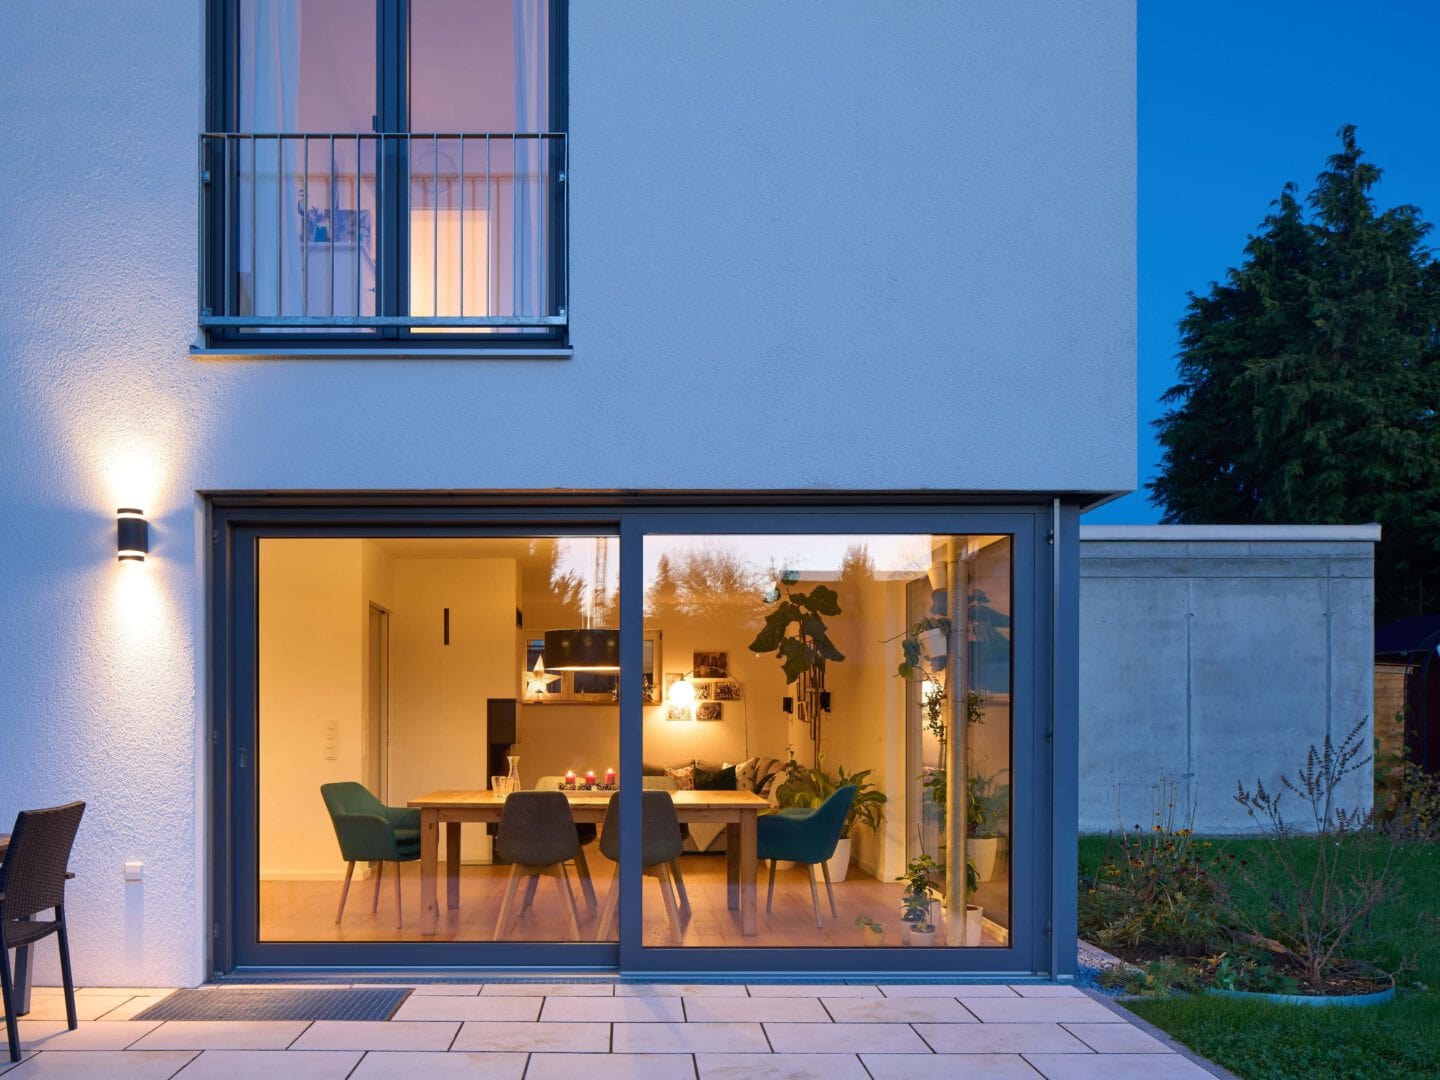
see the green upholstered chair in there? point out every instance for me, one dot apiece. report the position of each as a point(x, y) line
point(370, 831)
point(805, 836)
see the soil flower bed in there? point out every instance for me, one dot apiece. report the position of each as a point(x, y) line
point(1290, 916)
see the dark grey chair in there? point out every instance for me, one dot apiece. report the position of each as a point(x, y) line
point(537, 837)
point(32, 880)
point(661, 845)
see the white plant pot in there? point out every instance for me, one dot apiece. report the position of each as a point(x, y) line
point(974, 923)
point(934, 643)
point(922, 941)
point(840, 861)
point(983, 851)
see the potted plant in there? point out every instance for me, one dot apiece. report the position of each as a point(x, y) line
point(872, 933)
point(985, 814)
point(808, 788)
point(918, 901)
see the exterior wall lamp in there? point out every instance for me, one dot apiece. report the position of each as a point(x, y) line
point(132, 534)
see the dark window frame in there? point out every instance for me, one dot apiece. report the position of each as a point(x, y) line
point(1045, 562)
point(391, 113)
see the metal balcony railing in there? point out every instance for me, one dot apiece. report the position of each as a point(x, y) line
point(363, 232)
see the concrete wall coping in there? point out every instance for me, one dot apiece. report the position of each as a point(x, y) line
point(1251, 533)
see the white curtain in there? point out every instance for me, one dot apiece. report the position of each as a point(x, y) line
point(530, 241)
point(269, 238)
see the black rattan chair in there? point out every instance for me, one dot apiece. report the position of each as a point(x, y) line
point(32, 881)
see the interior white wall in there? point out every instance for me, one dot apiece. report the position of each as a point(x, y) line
point(872, 199)
point(311, 682)
point(438, 691)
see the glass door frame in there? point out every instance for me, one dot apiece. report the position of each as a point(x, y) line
point(1045, 537)
point(234, 825)
point(1029, 946)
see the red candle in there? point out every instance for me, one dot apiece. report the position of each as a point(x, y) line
point(609, 777)
point(569, 777)
point(590, 778)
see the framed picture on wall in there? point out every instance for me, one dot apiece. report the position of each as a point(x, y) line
point(709, 710)
point(711, 665)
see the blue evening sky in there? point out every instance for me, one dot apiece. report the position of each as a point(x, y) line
point(1237, 98)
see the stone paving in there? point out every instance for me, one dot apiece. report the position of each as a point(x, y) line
point(598, 1031)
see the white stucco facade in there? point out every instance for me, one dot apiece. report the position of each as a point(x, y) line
point(805, 240)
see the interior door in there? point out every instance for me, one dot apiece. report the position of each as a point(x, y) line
point(377, 727)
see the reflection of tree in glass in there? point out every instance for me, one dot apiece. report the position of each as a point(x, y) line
point(564, 589)
point(857, 570)
point(709, 583)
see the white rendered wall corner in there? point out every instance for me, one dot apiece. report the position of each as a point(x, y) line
point(887, 215)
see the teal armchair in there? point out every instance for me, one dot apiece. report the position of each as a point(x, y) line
point(808, 837)
point(370, 831)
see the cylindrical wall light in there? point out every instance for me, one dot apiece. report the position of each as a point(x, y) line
point(132, 534)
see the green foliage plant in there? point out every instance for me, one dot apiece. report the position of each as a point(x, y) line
point(807, 788)
point(1160, 894)
point(796, 632)
point(922, 886)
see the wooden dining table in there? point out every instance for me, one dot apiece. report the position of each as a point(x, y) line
point(738, 811)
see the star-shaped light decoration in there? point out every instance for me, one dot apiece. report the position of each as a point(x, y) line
point(537, 682)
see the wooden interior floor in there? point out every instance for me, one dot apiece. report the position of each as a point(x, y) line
point(305, 910)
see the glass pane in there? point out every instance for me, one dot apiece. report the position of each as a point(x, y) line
point(480, 207)
point(304, 240)
point(411, 673)
point(819, 692)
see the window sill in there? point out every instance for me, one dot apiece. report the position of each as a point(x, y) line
point(397, 352)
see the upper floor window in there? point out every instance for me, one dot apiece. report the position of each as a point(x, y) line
point(384, 172)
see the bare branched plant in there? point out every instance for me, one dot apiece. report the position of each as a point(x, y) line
point(1333, 883)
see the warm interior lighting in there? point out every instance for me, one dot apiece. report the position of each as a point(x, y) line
point(682, 692)
point(132, 534)
point(539, 680)
point(582, 650)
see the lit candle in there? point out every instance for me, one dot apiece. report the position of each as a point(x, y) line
point(569, 777)
point(609, 778)
point(590, 778)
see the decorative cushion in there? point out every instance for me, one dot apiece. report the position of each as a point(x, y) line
point(715, 780)
point(684, 777)
point(758, 775)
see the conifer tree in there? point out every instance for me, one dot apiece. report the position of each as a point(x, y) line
point(1310, 379)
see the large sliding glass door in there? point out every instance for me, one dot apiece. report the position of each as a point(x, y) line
point(823, 724)
point(846, 727)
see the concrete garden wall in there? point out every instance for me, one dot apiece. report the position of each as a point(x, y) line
point(1212, 655)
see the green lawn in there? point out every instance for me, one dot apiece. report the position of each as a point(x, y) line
point(1270, 1042)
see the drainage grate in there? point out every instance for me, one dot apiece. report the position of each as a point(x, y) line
point(222, 1003)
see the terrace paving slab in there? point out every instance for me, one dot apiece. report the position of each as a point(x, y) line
point(608, 1029)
